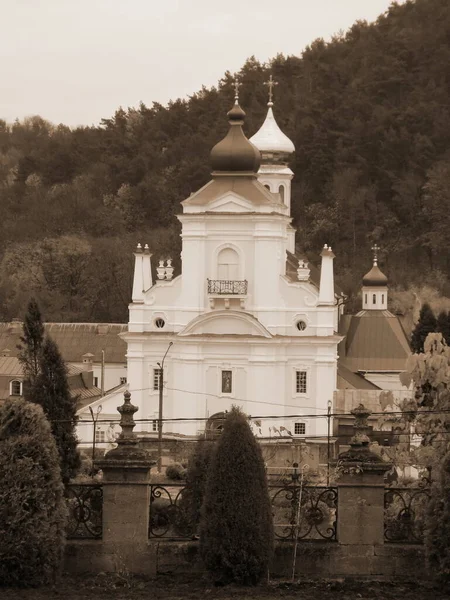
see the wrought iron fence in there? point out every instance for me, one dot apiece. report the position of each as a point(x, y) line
point(404, 513)
point(85, 505)
point(310, 511)
point(224, 286)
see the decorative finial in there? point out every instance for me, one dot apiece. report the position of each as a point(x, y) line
point(375, 249)
point(271, 83)
point(127, 410)
point(236, 86)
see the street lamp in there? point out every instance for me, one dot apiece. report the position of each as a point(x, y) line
point(160, 412)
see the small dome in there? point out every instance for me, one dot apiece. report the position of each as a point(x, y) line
point(235, 152)
point(375, 278)
point(270, 138)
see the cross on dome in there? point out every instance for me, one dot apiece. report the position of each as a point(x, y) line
point(271, 84)
point(236, 86)
point(375, 249)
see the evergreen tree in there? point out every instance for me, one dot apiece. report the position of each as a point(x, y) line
point(51, 391)
point(426, 324)
point(31, 346)
point(437, 530)
point(236, 529)
point(443, 325)
point(196, 476)
point(32, 506)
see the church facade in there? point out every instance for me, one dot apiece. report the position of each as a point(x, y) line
point(247, 322)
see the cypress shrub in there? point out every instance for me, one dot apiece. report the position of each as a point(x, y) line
point(426, 324)
point(197, 470)
point(32, 506)
point(437, 530)
point(236, 529)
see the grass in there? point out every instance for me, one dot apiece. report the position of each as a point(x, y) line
point(183, 587)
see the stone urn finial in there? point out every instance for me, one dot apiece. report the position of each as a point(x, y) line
point(128, 451)
point(359, 455)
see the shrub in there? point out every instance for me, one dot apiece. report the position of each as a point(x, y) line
point(32, 506)
point(437, 529)
point(176, 472)
point(191, 500)
point(236, 529)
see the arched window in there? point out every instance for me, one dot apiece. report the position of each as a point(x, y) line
point(365, 298)
point(266, 185)
point(15, 388)
point(281, 192)
point(228, 265)
point(382, 298)
point(374, 299)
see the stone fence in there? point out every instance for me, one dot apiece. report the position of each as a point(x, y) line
point(356, 528)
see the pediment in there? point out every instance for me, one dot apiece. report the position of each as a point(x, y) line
point(232, 203)
point(226, 323)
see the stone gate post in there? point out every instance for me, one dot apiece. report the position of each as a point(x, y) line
point(126, 501)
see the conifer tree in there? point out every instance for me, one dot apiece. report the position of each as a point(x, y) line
point(426, 324)
point(443, 325)
point(51, 391)
point(236, 529)
point(32, 506)
point(31, 343)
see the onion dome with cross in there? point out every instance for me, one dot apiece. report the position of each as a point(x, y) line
point(274, 145)
point(375, 277)
point(235, 154)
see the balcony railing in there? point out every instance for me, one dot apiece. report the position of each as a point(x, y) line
point(227, 287)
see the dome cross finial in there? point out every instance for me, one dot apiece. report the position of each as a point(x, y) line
point(375, 249)
point(271, 84)
point(236, 86)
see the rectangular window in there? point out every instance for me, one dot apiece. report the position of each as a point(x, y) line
point(156, 377)
point(96, 381)
point(123, 380)
point(299, 428)
point(100, 436)
point(300, 382)
point(374, 299)
point(227, 382)
point(155, 425)
point(365, 296)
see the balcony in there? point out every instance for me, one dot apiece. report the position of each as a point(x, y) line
point(227, 289)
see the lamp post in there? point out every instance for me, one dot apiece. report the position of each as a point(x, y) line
point(328, 440)
point(160, 412)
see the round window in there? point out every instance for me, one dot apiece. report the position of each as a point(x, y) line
point(159, 323)
point(301, 325)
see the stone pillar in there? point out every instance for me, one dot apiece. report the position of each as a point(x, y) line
point(126, 501)
point(361, 489)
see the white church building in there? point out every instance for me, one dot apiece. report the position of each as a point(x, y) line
point(249, 323)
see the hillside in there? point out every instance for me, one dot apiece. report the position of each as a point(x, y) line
point(369, 114)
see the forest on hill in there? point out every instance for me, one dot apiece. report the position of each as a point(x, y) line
point(369, 113)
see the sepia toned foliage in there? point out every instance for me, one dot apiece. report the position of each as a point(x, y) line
point(368, 112)
point(32, 505)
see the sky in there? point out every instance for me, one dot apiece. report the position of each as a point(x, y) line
point(77, 61)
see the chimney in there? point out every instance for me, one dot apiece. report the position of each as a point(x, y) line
point(326, 291)
point(16, 326)
point(6, 352)
point(303, 270)
point(87, 360)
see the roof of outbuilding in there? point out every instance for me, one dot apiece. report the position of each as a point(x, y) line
point(374, 341)
point(74, 340)
point(347, 379)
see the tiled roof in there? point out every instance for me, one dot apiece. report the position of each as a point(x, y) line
point(246, 187)
point(375, 341)
point(74, 340)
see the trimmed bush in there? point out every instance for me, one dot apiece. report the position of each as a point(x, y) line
point(437, 530)
point(236, 529)
point(191, 501)
point(176, 472)
point(32, 507)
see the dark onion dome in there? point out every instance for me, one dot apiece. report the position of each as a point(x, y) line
point(375, 278)
point(235, 153)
